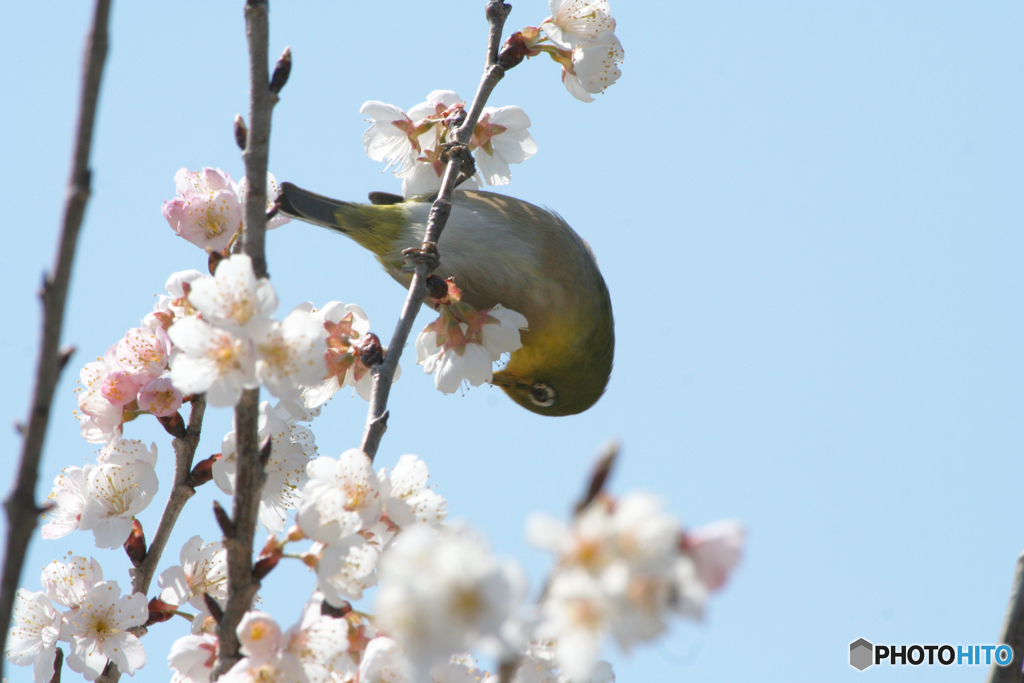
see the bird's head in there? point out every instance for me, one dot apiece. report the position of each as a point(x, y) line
point(560, 373)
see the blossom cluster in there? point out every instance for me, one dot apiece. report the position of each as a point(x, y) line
point(463, 343)
point(96, 622)
point(415, 141)
point(580, 36)
point(208, 208)
point(622, 568)
point(103, 497)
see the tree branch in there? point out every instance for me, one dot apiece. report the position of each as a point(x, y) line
point(181, 491)
point(383, 374)
point(21, 508)
point(241, 583)
point(1013, 632)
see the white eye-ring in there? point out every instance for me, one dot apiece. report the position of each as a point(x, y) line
point(542, 395)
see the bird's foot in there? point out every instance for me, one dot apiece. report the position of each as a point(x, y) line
point(425, 253)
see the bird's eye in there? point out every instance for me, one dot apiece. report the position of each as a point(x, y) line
point(542, 395)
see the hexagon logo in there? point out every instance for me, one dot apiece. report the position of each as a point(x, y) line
point(861, 654)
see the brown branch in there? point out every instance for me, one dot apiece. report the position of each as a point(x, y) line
point(241, 583)
point(21, 508)
point(1013, 632)
point(383, 374)
point(181, 491)
point(599, 475)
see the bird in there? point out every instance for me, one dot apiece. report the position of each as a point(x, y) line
point(499, 250)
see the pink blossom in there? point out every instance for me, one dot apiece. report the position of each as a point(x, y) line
point(160, 398)
point(118, 388)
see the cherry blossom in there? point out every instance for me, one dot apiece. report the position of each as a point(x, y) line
point(290, 354)
point(716, 549)
point(68, 583)
point(309, 652)
point(442, 594)
point(32, 639)
point(175, 303)
point(407, 499)
point(116, 490)
point(130, 449)
point(273, 190)
point(160, 398)
point(207, 211)
point(500, 138)
point(577, 22)
point(319, 643)
point(233, 296)
point(192, 657)
point(203, 571)
point(384, 662)
point(346, 568)
point(142, 355)
point(285, 469)
point(98, 631)
point(593, 67)
point(100, 420)
point(391, 137)
point(346, 327)
point(415, 141)
point(119, 388)
point(463, 343)
point(217, 362)
point(65, 503)
point(341, 498)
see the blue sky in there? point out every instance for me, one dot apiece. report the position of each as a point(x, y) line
point(809, 216)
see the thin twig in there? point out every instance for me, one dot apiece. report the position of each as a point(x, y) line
point(599, 475)
point(181, 491)
point(377, 416)
point(1013, 632)
point(21, 508)
point(241, 584)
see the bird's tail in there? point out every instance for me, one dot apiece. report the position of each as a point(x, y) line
point(375, 227)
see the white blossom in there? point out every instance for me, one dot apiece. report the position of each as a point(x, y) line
point(203, 570)
point(98, 631)
point(450, 367)
point(500, 331)
point(65, 503)
point(500, 138)
point(32, 639)
point(273, 190)
point(290, 354)
point(128, 450)
point(443, 594)
point(341, 498)
point(233, 297)
point(577, 22)
point(117, 490)
point(100, 420)
point(68, 583)
point(319, 643)
point(716, 549)
point(218, 362)
point(192, 657)
point(285, 469)
point(346, 568)
point(406, 497)
point(594, 67)
point(384, 662)
point(391, 137)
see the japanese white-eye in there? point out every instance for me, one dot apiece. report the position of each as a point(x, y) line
point(500, 250)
